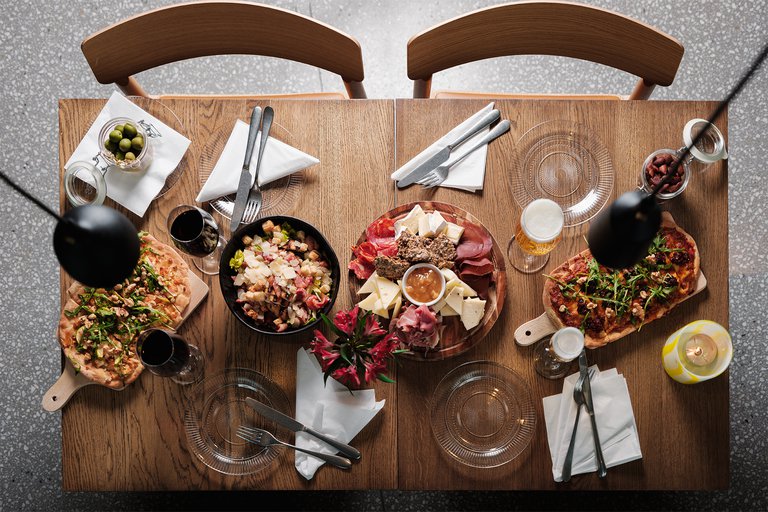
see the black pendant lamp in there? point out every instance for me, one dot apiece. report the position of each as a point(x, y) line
point(620, 235)
point(95, 244)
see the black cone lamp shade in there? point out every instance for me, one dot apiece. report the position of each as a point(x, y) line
point(620, 236)
point(96, 245)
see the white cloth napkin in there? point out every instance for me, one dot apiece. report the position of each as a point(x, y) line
point(330, 409)
point(468, 174)
point(279, 160)
point(134, 190)
point(615, 425)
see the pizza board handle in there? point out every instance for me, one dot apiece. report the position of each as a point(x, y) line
point(63, 389)
point(532, 331)
point(198, 293)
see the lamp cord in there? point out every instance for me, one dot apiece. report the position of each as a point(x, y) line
point(29, 196)
point(712, 118)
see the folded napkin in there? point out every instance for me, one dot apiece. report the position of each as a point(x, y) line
point(330, 409)
point(468, 174)
point(135, 189)
point(615, 425)
point(278, 161)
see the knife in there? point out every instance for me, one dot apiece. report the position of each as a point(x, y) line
point(602, 470)
point(443, 155)
point(295, 426)
point(244, 187)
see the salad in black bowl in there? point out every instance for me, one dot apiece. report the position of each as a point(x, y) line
point(278, 274)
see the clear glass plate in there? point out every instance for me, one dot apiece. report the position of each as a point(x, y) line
point(216, 408)
point(278, 197)
point(565, 162)
point(482, 414)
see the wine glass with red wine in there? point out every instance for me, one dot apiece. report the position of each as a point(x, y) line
point(194, 231)
point(166, 354)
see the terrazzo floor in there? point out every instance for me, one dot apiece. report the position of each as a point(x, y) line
point(41, 62)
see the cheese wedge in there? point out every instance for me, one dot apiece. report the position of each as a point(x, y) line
point(467, 291)
point(425, 228)
point(449, 274)
point(387, 291)
point(369, 303)
point(453, 232)
point(437, 223)
point(455, 299)
point(380, 309)
point(472, 312)
point(370, 285)
point(409, 222)
point(448, 311)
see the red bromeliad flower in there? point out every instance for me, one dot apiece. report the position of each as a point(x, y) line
point(361, 351)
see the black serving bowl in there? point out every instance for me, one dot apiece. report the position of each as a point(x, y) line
point(226, 274)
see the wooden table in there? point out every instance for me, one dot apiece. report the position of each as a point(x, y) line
point(134, 440)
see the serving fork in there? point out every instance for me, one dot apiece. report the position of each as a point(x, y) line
point(263, 438)
point(255, 200)
point(578, 397)
point(440, 173)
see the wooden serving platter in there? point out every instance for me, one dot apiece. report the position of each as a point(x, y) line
point(71, 381)
point(454, 339)
point(534, 330)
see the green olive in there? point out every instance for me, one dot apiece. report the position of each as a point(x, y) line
point(119, 127)
point(115, 135)
point(119, 155)
point(129, 131)
point(125, 145)
point(138, 143)
point(110, 146)
point(130, 156)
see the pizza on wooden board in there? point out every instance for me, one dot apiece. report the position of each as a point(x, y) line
point(607, 304)
point(99, 327)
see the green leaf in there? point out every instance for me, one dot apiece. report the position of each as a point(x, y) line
point(384, 378)
point(328, 322)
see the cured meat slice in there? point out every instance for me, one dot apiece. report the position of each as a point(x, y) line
point(475, 243)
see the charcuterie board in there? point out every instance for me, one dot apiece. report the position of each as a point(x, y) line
point(70, 381)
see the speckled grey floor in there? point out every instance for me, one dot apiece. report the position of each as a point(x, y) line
point(41, 62)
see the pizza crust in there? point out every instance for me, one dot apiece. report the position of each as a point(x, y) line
point(175, 272)
point(595, 342)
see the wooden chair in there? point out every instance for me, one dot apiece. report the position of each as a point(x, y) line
point(198, 29)
point(545, 28)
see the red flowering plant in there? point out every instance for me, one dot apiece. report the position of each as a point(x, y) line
point(361, 351)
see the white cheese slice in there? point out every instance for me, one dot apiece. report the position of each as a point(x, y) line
point(409, 222)
point(472, 312)
point(454, 232)
point(380, 309)
point(448, 311)
point(370, 285)
point(449, 274)
point(425, 229)
point(388, 291)
point(455, 299)
point(467, 290)
point(398, 304)
point(437, 223)
point(369, 302)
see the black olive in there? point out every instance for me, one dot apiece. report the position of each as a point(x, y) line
point(670, 280)
point(581, 301)
point(678, 258)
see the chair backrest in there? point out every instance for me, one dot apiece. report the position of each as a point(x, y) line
point(546, 28)
point(199, 29)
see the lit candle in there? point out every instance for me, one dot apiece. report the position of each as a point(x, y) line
point(700, 350)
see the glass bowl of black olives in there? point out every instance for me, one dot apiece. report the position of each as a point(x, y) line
point(124, 144)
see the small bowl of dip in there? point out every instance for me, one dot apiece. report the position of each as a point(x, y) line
point(423, 284)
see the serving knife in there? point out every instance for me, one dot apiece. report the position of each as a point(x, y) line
point(244, 187)
point(445, 153)
point(295, 426)
point(586, 388)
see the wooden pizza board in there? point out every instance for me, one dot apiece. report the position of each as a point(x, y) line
point(71, 381)
point(534, 330)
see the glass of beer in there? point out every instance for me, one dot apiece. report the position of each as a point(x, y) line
point(538, 231)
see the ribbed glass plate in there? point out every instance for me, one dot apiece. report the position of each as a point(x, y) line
point(482, 414)
point(216, 408)
point(567, 163)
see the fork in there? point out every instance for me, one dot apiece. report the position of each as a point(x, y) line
point(255, 199)
point(440, 173)
point(578, 397)
point(263, 438)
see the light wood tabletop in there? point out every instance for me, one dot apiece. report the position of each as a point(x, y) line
point(134, 439)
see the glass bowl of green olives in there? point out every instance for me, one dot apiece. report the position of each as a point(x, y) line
point(124, 144)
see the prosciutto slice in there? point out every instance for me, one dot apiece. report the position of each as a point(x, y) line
point(418, 326)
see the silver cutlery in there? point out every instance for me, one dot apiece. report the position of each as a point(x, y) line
point(295, 426)
point(244, 186)
point(438, 176)
point(263, 438)
point(445, 153)
point(266, 124)
point(578, 397)
point(602, 470)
